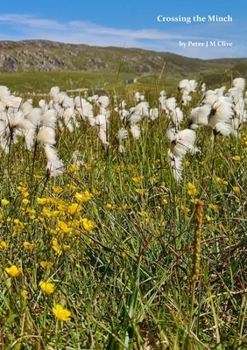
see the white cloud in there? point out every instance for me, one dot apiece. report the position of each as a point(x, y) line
point(30, 22)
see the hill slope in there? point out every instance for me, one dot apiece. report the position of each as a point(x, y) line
point(45, 56)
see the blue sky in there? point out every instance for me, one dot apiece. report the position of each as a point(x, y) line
point(132, 23)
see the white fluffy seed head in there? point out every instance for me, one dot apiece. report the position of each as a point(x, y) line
point(221, 111)
point(55, 167)
point(103, 101)
point(199, 115)
point(239, 83)
point(26, 107)
point(183, 142)
point(182, 84)
point(209, 97)
point(121, 135)
point(138, 112)
point(49, 118)
point(135, 131)
point(153, 113)
point(34, 116)
point(176, 164)
point(171, 132)
point(46, 136)
point(223, 129)
point(176, 117)
point(54, 91)
point(50, 152)
point(4, 91)
point(171, 103)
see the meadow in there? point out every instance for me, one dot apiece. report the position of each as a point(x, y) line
point(116, 230)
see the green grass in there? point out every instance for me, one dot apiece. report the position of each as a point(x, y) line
point(41, 82)
point(101, 82)
point(127, 282)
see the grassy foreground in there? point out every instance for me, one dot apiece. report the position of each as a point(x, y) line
point(114, 254)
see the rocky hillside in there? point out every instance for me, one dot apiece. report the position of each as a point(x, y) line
point(46, 56)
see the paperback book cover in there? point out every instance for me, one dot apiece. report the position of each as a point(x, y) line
point(123, 183)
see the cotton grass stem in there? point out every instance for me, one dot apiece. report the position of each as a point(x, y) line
point(212, 159)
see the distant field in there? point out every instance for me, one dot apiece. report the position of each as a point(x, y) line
point(41, 82)
point(95, 82)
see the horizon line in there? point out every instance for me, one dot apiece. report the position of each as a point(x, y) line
point(121, 47)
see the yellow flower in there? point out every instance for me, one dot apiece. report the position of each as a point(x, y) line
point(123, 207)
point(13, 271)
point(63, 227)
point(88, 225)
point(61, 313)
point(66, 247)
point(192, 191)
point(19, 226)
point(236, 189)
point(143, 214)
point(56, 246)
point(195, 200)
point(208, 218)
point(140, 191)
point(109, 206)
point(37, 177)
point(57, 190)
point(83, 196)
point(74, 223)
point(221, 181)
point(3, 244)
point(25, 194)
point(49, 213)
point(74, 168)
point(138, 179)
point(4, 202)
point(43, 201)
point(214, 207)
point(25, 201)
point(31, 211)
point(46, 287)
point(70, 187)
point(28, 246)
point(95, 192)
point(87, 167)
point(24, 294)
point(74, 208)
point(184, 209)
point(237, 158)
point(22, 189)
point(47, 265)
